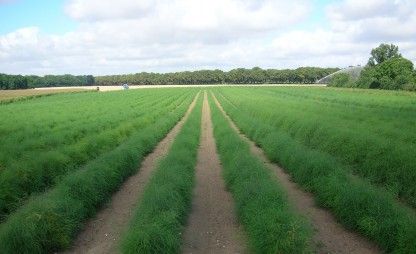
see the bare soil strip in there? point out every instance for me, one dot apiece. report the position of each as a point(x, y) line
point(101, 234)
point(212, 225)
point(116, 88)
point(330, 236)
point(7, 95)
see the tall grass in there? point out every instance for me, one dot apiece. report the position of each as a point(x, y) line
point(49, 222)
point(158, 221)
point(358, 204)
point(31, 164)
point(262, 206)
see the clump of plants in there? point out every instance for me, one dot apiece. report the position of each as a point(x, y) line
point(386, 69)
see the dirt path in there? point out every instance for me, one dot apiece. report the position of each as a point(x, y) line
point(102, 233)
point(117, 88)
point(330, 236)
point(212, 225)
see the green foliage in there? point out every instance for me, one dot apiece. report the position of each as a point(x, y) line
point(386, 69)
point(23, 82)
point(48, 222)
point(236, 76)
point(255, 75)
point(393, 74)
point(12, 82)
point(354, 150)
point(369, 131)
point(383, 53)
point(341, 80)
point(262, 206)
point(60, 80)
point(37, 152)
point(158, 221)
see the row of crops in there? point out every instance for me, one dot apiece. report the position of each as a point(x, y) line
point(46, 139)
point(63, 156)
point(355, 150)
point(49, 221)
point(161, 216)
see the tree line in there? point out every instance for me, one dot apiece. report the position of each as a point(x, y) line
point(386, 69)
point(32, 81)
point(305, 75)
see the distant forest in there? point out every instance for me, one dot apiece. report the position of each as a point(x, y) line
point(24, 82)
point(304, 75)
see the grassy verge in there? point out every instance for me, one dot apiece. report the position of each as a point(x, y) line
point(49, 222)
point(357, 204)
point(262, 206)
point(158, 221)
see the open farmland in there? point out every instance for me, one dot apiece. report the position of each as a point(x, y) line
point(12, 95)
point(354, 150)
point(210, 169)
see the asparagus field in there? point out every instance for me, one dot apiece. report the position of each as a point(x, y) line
point(305, 169)
point(354, 150)
point(118, 130)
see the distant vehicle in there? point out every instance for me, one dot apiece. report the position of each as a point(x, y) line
point(125, 86)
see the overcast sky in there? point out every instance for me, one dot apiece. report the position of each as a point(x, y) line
point(127, 36)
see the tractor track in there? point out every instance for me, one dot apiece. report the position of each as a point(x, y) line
point(212, 225)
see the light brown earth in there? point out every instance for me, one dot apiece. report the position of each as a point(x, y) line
point(329, 236)
point(212, 225)
point(6, 95)
point(101, 234)
point(115, 88)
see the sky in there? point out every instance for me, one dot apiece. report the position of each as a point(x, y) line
point(102, 37)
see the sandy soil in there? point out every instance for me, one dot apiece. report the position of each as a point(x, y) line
point(115, 88)
point(13, 94)
point(212, 225)
point(330, 236)
point(101, 234)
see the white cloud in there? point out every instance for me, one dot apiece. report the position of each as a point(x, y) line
point(357, 9)
point(354, 27)
point(374, 20)
point(161, 35)
point(184, 20)
point(91, 10)
point(193, 14)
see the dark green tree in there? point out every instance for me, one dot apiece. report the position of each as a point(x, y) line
point(382, 53)
point(392, 74)
point(341, 80)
